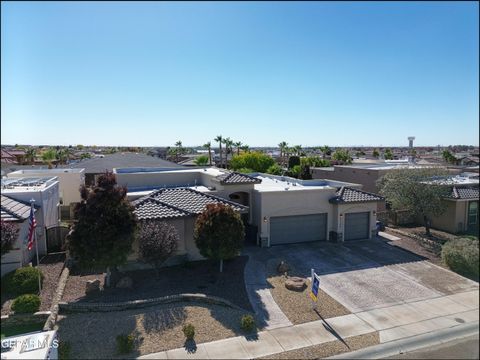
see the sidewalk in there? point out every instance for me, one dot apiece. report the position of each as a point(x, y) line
point(392, 323)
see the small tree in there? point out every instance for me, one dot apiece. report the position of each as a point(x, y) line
point(157, 242)
point(343, 156)
point(219, 233)
point(413, 190)
point(375, 153)
point(202, 160)
point(388, 154)
point(293, 161)
point(305, 172)
point(105, 230)
point(275, 169)
point(254, 160)
point(9, 236)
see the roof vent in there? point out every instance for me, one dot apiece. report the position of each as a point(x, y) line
point(287, 188)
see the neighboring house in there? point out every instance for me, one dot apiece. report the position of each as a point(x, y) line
point(16, 196)
point(282, 209)
point(97, 166)
point(461, 214)
point(8, 158)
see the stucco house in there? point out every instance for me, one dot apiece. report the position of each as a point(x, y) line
point(281, 209)
point(15, 207)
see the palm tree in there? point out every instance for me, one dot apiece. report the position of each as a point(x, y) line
point(48, 156)
point(297, 149)
point(282, 147)
point(245, 148)
point(238, 145)
point(219, 139)
point(208, 146)
point(325, 150)
point(30, 155)
point(228, 148)
point(178, 149)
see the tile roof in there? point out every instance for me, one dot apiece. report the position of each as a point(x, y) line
point(13, 210)
point(122, 160)
point(237, 178)
point(351, 195)
point(149, 208)
point(178, 202)
point(464, 193)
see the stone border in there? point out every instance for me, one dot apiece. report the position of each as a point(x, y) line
point(74, 307)
point(54, 309)
point(20, 319)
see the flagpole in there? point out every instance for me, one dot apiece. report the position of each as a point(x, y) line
point(36, 249)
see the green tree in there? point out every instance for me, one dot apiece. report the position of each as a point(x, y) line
point(293, 161)
point(295, 171)
point(305, 172)
point(342, 155)
point(238, 145)
point(105, 227)
point(85, 156)
point(157, 242)
point(228, 149)
point(219, 139)
point(219, 233)
point(245, 148)
point(30, 155)
point(325, 150)
point(448, 157)
point(282, 146)
point(256, 161)
point(275, 169)
point(9, 232)
point(202, 160)
point(388, 155)
point(413, 190)
point(375, 153)
point(208, 146)
point(48, 156)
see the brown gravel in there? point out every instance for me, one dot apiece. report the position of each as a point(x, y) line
point(297, 306)
point(157, 328)
point(330, 348)
point(51, 267)
point(195, 277)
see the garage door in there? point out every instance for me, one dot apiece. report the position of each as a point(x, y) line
point(357, 226)
point(300, 228)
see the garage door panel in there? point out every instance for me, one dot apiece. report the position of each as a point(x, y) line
point(295, 229)
point(357, 226)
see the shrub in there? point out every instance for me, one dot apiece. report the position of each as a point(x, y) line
point(247, 323)
point(293, 161)
point(275, 169)
point(64, 349)
point(23, 280)
point(189, 331)
point(461, 256)
point(125, 343)
point(26, 304)
point(255, 161)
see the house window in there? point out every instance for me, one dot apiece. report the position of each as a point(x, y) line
point(473, 213)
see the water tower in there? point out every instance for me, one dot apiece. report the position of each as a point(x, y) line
point(410, 141)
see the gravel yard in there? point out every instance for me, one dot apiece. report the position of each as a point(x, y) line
point(330, 348)
point(297, 306)
point(51, 267)
point(195, 277)
point(157, 328)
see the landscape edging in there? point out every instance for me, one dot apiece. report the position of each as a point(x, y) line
point(52, 319)
point(137, 304)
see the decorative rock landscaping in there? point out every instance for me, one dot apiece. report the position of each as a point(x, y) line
point(295, 283)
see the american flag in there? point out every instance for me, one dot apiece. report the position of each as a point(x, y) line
point(32, 224)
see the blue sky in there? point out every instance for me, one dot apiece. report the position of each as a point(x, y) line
point(309, 73)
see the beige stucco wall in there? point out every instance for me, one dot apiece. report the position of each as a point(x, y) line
point(454, 219)
point(290, 203)
point(366, 177)
point(342, 209)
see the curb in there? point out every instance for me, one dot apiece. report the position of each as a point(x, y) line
point(412, 343)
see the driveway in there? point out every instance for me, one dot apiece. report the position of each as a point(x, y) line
point(368, 274)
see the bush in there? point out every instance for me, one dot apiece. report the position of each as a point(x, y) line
point(247, 323)
point(22, 281)
point(189, 331)
point(64, 349)
point(26, 304)
point(125, 343)
point(275, 169)
point(255, 161)
point(293, 161)
point(461, 256)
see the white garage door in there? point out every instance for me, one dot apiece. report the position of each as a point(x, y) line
point(300, 228)
point(357, 226)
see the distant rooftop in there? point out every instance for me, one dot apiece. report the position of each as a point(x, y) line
point(285, 183)
point(51, 171)
point(455, 180)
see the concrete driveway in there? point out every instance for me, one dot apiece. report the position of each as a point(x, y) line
point(368, 274)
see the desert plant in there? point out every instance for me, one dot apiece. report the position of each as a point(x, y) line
point(125, 343)
point(219, 233)
point(26, 304)
point(157, 242)
point(189, 331)
point(275, 169)
point(22, 281)
point(202, 160)
point(9, 233)
point(462, 256)
point(247, 323)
